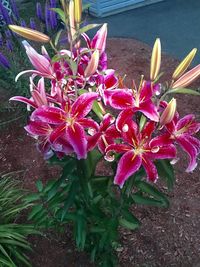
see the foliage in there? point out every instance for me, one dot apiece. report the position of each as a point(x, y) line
point(13, 235)
point(86, 114)
point(94, 207)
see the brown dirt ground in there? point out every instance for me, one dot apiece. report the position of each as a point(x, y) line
point(167, 237)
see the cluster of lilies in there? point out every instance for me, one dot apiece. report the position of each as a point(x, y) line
point(78, 105)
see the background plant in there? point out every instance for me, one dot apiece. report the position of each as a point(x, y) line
point(13, 234)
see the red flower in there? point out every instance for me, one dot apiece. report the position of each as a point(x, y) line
point(131, 101)
point(138, 151)
point(70, 121)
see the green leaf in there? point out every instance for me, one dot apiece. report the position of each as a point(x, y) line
point(57, 37)
point(32, 197)
point(143, 120)
point(35, 211)
point(69, 167)
point(142, 200)
point(97, 110)
point(60, 12)
point(166, 171)
point(152, 191)
point(128, 220)
point(80, 230)
point(85, 29)
point(39, 185)
point(70, 198)
point(183, 91)
point(127, 224)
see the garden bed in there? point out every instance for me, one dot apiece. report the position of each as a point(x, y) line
point(167, 237)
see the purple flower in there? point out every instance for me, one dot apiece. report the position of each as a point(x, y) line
point(1, 39)
point(9, 45)
point(39, 12)
point(52, 3)
point(53, 20)
point(47, 17)
point(5, 14)
point(23, 23)
point(14, 8)
point(8, 34)
point(4, 61)
point(32, 24)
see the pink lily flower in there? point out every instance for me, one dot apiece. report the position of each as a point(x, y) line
point(138, 151)
point(41, 63)
point(38, 96)
point(182, 132)
point(132, 101)
point(70, 120)
point(106, 135)
point(42, 132)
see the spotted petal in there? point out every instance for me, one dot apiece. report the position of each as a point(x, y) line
point(190, 150)
point(76, 138)
point(50, 115)
point(150, 168)
point(82, 106)
point(127, 166)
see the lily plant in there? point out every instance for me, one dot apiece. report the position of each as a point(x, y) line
point(83, 115)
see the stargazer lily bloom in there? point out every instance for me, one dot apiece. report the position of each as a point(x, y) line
point(41, 63)
point(106, 134)
point(38, 96)
point(70, 120)
point(182, 132)
point(42, 132)
point(138, 151)
point(132, 101)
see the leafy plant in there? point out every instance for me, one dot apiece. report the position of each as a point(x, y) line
point(86, 114)
point(13, 235)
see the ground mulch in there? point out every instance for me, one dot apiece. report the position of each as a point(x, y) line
point(167, 237)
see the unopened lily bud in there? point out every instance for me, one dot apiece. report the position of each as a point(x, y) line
point(182, 67)
point(155, 60)
point(30, 34)
point(169, 112)
point(77, 10)
point(93, 64)
point(71, 18)
point(100, 38)
point(187, 78)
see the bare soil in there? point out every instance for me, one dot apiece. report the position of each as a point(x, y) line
point(167, 237)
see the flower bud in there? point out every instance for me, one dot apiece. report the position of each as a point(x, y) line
point(99, 40)
point(155, 60)
point(30, 34)
point(71, 19)
point(182, 67)
point(92, 65)
point(77, 10)
point(169, 112)
point(187, 78)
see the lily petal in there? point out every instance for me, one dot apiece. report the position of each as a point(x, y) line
point(23, 100)
point(122, 99)
point(38, 128)
point(50, 115)
point(190, 150)
point(149, 110)
point(165, 152)
point(123, 118)
point(77, 139)
point(82, 106)
point(128, 164)
point(150, 168)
